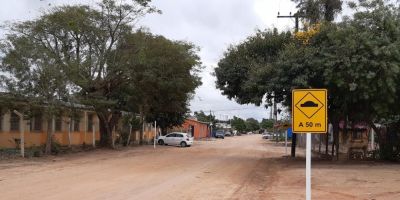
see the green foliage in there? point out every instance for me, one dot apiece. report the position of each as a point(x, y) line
point(90, 55)
point(133, 121)
point(238, 123)
point(163, 75)
point(252, 124)
point(70, 49)
point(317, 10)
point(267, 123)
point(357, 60)
point(201, 116)
point(245, 72)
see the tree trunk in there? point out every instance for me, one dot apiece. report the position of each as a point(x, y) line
point(50, 131)
point(320, 143)
point(142, 123)
point(336, 130)
point(107, 122)
point(338, 136)
point(129, 136)
point(327, 144)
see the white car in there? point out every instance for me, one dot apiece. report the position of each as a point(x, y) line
point(175, 139)
point(266, 135)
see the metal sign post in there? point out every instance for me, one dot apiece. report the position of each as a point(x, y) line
point(309, 107)
point(308, 167)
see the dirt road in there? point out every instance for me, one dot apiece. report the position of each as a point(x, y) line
point(244, 167)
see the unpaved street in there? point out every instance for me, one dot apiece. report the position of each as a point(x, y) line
point(244, 167)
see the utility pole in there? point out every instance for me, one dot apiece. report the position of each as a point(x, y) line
point(276, 121)
point(211, 124)
point(296, 17)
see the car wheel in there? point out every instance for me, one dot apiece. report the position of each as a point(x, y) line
point(223, 137)
point(183, 144)
point(160, 142)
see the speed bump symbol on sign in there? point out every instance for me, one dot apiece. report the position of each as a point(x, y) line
point(309, 111)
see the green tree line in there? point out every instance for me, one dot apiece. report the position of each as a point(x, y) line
point(357, 59)
point(96, 56)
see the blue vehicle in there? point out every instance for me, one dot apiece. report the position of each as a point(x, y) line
point(220, 134)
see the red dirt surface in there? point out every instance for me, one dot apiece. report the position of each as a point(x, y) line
point(242, 167)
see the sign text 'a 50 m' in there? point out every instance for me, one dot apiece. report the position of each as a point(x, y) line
point(309, 111)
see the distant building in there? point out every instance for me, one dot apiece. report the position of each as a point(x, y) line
point(194, 128)
point(222, 125)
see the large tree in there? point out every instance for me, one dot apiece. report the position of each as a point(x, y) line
point(252, 124)
point(80, 42)
point(238, 124)
point(315, 11)
point(357, 60)
point(267, 124)
point(245, 72)
point(29, 72)
point(162, 76)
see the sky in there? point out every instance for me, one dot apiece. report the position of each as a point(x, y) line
point(212, 25)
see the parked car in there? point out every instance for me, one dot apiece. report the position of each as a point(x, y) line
point(266, 135)
point(220, 134)
point(175, 139)
point(228, 133)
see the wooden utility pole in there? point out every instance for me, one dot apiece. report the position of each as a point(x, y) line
point(296, 17)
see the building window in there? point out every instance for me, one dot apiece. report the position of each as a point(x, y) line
point(357, 135)
point(14, 122)
point(37, 122)
point(58, 122)
point(76, 125)
point(90, 122)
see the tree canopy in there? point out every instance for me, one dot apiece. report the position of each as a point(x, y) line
point(356, 59)
point(252, 124)
point(239, 124)
point(94, 54)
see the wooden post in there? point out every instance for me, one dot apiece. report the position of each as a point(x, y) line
point(129, 136)
point(94, 135)
point(21, 132)
point(86, 127)
point(113, 137)
point(70, 126)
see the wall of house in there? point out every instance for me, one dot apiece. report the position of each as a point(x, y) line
point(148, 134)
point(347, 141)
point(36, 138)
point(201, 130)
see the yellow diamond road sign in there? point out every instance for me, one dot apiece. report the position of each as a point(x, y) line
point(309, 111)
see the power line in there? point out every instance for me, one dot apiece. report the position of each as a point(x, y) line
point(234, 109)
